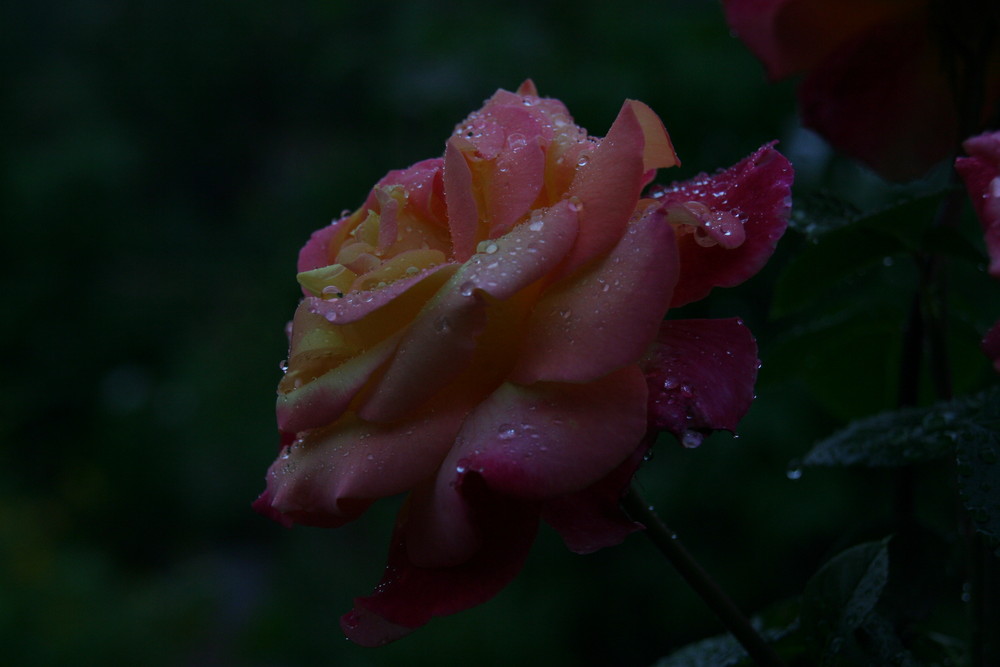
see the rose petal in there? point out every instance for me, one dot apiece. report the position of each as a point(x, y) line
point(463, 214)
point(534, 443)
point(424, 187)
point(790, 37)
point(550, 439)
point(316, 252)
point(592, 324)
point(701, 375)
point(356, 305)
point(442, 339)
point(517, 179)
point(981, 173)
point(324, 400)
point(592, 519)
point(409, 596)
point(607, 188)
point(885, 100)
point(658, 151)
point(756, 191)
point(328, 477)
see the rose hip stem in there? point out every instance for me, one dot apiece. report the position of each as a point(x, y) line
point(696, 577)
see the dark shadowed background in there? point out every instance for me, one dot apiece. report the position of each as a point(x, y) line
point(162, 162)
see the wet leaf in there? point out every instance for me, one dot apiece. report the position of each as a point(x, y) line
point(841, 595)
point(855, 244)
point(915, 435)
point(839, 256)
point(978, 467)
point(719, 651)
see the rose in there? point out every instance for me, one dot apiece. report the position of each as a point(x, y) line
point(981, 173)
point(482, 333)
point(893, 83)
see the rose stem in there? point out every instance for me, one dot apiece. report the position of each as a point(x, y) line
point(696, 577)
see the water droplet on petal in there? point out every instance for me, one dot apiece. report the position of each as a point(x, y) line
point(467, 288)
point(442, 325)
point(691, 439)
point(506, 431)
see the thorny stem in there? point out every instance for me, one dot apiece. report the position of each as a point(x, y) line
point(699, 580)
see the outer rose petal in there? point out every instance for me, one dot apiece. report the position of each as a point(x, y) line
point(592, 519)
point(608, 184)
point(981, 172)
point(590, 325)
point(757, 190)
point(535, 443)
point(329, 476)
point(701, 375)
point(408, 596)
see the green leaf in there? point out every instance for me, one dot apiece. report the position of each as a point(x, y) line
point(719, 651)
point(841, 595)
point(817, 214)
point(916, 435)
point(840, 255)
point(978, 467)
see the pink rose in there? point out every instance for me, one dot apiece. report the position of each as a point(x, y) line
point(981, 173)
point(881, 76)
point(482, 334)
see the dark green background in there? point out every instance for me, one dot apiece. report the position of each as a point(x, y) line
point(162, 164)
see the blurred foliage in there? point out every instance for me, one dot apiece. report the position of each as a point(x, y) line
point(161, 165)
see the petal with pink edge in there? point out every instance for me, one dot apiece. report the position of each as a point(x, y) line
point(316, 252)
point(517, 179)
point(328, 477)
point(409, 596)
point(589, 325)
point(607, 187)
point(535, 443)
point(550, 438)
point(757, 192)
point(981, 173)
point(359, 304)
point(463, 214)
point(325, 399)
point(439, 344)
point(701, 375)
point(424, 189)
point(592, 519)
